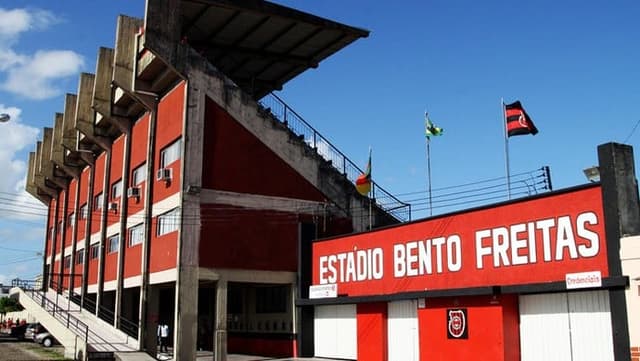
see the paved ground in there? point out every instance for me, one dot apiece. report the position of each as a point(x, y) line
point(15, 350)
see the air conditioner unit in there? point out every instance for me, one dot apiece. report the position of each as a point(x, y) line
point(163, 174)
point(113, 206)
point(133, 192)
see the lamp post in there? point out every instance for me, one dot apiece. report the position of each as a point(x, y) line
point(4, 117)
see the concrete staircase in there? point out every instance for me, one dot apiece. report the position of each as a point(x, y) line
point(83, 335)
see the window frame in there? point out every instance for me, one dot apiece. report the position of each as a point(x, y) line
point(113, 243)
point(116, 189)
point(163, 226)
point(98, 199)
point(137, 228)
point(173, 149)
point(94, 251)
point(79, 257)
point(141, 171)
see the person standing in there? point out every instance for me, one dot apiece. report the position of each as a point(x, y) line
point(163, 336)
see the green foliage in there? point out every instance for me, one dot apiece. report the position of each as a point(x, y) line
point(8, 304)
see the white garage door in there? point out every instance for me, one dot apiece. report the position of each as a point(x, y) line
point(566, 326)
point(336, 332)
point(402, 331)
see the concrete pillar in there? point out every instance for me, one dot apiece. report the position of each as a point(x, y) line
point(220, 334)
point(185, 334)
point(622, 218)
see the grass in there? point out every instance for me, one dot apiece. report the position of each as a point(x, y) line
point(54, 353)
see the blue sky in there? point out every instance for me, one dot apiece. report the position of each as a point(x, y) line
point(573, 65)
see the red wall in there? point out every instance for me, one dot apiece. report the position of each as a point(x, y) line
point(254, 168)
point(492, 326)
point(98, 187)
point(164, 250)
point(524, 233)
point(73, 185)
point(133, 260)
point(372, 331)
point(92, 276)
point(110, 264)
point(52, 224)
point(260, 346)
point(169, 129)
point(61, 214)
point(115, 174)
point(84, 191)
point(233, 237)
point(139, 146)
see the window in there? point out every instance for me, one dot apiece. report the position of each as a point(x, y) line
point(97, 201)
point(136, 235)
point(94, 251)
point(67, 261)
point(80, 256)
point(83, 211)
point(139, 174)
point(168, 222)
point(60, 225)
point(170, 154)
point(71, 220)
point(272, 299)
point(116, 189)
point(114, 242)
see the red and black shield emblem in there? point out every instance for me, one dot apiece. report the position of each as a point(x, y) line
point(457, 327)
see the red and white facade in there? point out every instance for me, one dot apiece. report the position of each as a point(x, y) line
point(531, 279)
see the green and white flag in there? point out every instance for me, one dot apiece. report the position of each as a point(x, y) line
point(430, 128)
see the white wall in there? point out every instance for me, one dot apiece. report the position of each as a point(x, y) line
point(630, 259)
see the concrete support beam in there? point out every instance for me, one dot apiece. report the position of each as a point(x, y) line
point(125, 57)
point(38, 177)
point(101, 100)
point(162, 31)
point(220, 334)
point(85, 115)
point(31, 186)
point(47, 166)
point(58, 151)
point(69, 132)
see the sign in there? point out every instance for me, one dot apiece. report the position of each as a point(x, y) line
point(457, 324)
point(323, 291)
point(583, 280)
point(533, 241)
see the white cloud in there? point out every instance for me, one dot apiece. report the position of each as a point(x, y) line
point(35, 78)
point(15, 137)
point(32, 76)
point(16, 21)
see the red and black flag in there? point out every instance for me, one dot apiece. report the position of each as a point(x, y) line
point(518, 121)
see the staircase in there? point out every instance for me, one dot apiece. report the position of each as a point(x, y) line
point(83, 335)
point(275, 107)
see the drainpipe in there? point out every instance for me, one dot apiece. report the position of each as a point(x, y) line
point(124, 210)
point(103, 229)
point(87, 235)
point(143, 333)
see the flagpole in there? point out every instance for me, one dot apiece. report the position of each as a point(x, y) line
point(370, 191)
point(506, 147)
point(429, 174)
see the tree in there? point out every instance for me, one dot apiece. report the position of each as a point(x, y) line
point(8, 304)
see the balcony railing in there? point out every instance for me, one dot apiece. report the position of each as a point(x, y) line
point(281, 111)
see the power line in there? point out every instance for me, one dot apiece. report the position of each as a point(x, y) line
point(632, 131)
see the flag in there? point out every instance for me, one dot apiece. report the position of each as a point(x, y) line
point(430, 128)
point(518, 121)
point(363, 183)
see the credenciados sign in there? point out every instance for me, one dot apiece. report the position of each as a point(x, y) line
point(533, 241)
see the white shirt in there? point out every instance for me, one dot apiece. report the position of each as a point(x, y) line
point(163, 330)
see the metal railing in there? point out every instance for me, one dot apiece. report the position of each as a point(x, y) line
point(272, 105)
point(64, 315)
